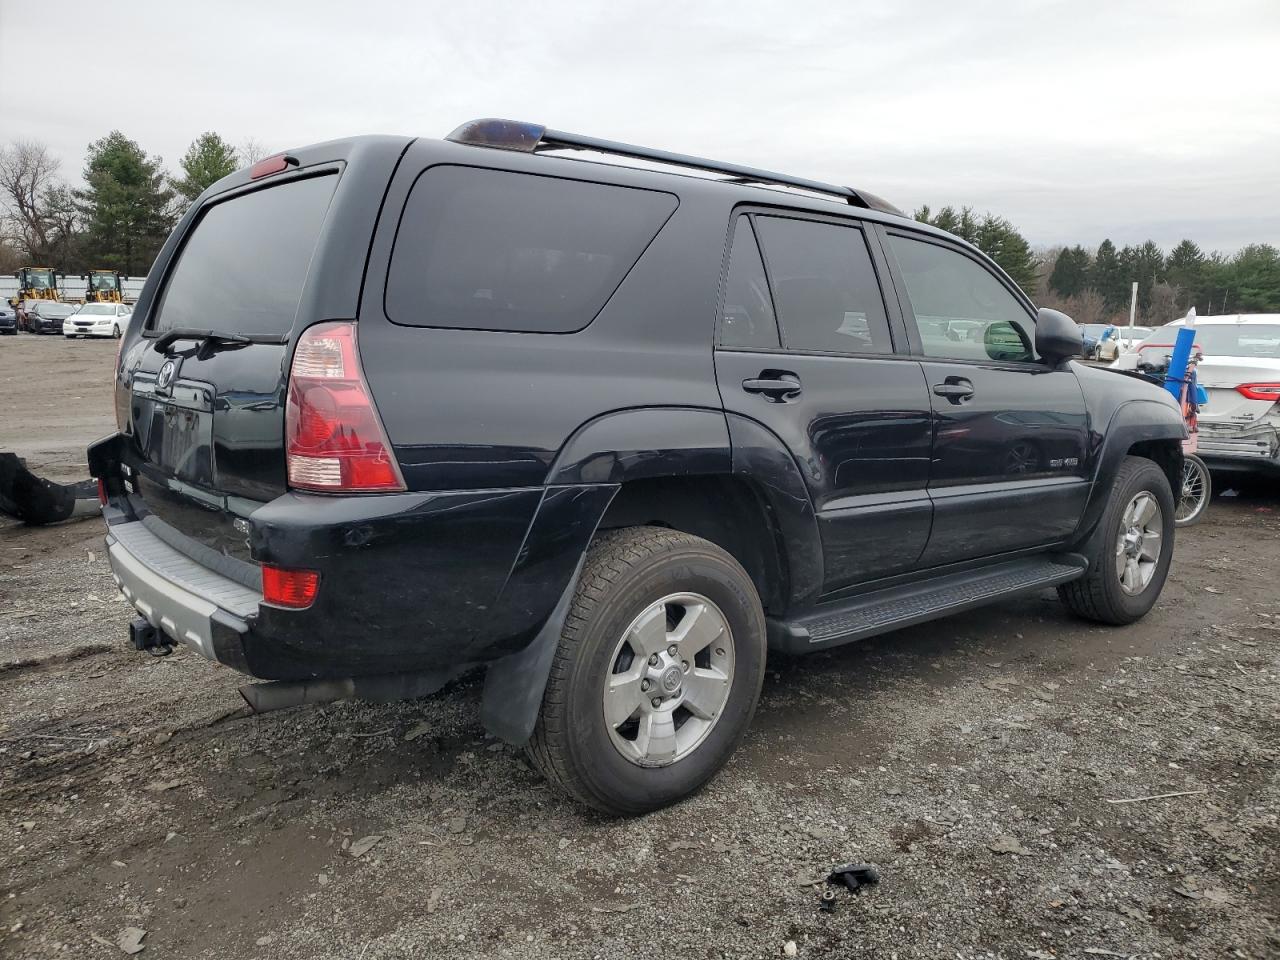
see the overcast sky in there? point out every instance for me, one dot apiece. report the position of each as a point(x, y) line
point(1075, 119)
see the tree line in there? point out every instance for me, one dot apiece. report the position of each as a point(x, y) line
point(121, 216)
point(129, 203)
point(1094, 285)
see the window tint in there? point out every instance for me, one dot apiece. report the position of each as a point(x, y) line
point(491, 250)
point(747, 319)
point(824, 287)
point(242, 268)
point(962, 311)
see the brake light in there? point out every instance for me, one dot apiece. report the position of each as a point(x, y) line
point(334, 440)
point(276, 164)
point(1260, 391)
point(102, 492)
point(295, 589)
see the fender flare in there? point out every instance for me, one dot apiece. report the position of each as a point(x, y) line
point(597, 458)
point(642, 442)
point(760, 456)
point(1134, 421)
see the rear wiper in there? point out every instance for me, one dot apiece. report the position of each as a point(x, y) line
point(209, 337)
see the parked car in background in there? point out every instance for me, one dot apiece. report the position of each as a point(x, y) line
point(98, 320)
point(8, 320)
point(47, 316)
point(1123, 341)
point(1240, 370)
point(1092, 333)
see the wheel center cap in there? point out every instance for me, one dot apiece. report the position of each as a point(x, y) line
point(671, 679)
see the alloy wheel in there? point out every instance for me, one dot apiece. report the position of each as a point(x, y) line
point(1139, 542)
point(669, 680)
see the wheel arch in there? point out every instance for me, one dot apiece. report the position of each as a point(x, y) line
point(1151, 429)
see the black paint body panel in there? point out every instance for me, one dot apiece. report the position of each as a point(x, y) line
point(513, 445)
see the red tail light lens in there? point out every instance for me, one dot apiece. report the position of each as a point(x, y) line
point(295, 589)
point(102, 492)
point(1260, 391)
point(264, 168)
point(334, 439)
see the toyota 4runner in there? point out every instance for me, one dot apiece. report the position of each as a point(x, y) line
point(607, 422)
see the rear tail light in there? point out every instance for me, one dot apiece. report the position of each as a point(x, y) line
point(334, 440)
point(102, 492)
point(295, 589)
point(1260, 391)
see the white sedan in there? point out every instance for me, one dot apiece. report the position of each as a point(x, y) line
point(98, 320)
point(1240, 371)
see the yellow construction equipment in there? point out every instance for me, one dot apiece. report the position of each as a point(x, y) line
point(34, 283)
point(103, 286)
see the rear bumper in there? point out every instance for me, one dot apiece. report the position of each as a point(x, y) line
point(409, 582)
point(1250, 451)
point(189, 602)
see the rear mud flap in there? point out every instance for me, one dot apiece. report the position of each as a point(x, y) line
point(513, 686)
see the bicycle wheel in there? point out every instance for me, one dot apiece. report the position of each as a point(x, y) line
point(1197, 488)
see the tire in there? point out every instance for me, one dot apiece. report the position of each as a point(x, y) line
point(115, 331)
point(1197, 491)
point(1100, 594)
point(627, 574)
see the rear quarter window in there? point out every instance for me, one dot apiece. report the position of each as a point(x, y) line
point(494, 250)
point(243, 265)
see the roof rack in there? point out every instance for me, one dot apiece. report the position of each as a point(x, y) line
point(530, 137)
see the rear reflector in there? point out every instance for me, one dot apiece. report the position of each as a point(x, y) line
point(295, 589)
point(334, 439)
point(1260, 391)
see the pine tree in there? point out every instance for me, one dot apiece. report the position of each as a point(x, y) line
point(1000, 240)
point(125, 207)
point(1185, 270)
point(1107, 277)
point(1070, 275)
point(207, 160)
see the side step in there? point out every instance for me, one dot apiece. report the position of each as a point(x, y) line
point(841, 621)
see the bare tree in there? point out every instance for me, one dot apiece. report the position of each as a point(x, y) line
point(1165, 300)
point(251, 151)
point(31, 192)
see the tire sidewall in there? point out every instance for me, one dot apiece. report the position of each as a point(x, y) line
point(607, 771)
point(1151, 478)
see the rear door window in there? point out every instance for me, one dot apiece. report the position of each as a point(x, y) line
point(825, 289)
point(747, 319)
point(493, 250)
point(243, 266)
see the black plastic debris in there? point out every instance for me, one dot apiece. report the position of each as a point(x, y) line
point(854, 875)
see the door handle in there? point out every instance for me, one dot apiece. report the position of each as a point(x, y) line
point(954, 389)
point(778, 386)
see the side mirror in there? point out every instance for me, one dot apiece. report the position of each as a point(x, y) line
point(1058, 337)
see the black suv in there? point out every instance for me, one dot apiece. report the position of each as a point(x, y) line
point(609, 422)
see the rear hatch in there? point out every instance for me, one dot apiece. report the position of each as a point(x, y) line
point(207, 376)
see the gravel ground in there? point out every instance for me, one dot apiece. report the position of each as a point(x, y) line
point(976, 761)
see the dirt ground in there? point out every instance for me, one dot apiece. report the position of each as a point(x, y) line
point(997, 767)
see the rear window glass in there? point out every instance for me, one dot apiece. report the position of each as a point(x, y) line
point(1239, 340)
point(243, 266)
point(492, 250)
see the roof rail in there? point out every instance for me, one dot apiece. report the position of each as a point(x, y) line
point(530, 137)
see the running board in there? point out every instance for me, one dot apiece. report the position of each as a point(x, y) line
point(842, 621)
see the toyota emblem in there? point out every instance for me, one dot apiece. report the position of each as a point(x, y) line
point(165, 376)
